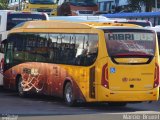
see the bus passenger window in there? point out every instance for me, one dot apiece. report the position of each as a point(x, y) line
point(73, 49)
point(81, 59)
point(9, 53)
point(18, 53)
point(89, 51)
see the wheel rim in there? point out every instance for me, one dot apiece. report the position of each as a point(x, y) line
point(69, 94)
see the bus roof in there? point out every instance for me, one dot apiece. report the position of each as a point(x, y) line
point(20, 12)
point(56, 24)
point(6, 11)
point(81, 18)
point(31, 13)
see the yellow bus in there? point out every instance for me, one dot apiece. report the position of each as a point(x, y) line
point(46, 6)
point(110, 62)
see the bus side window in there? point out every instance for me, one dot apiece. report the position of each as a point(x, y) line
point(81, 59)
point(89, 52)
point(9, 53)
point(73, 49)
point(93, 48)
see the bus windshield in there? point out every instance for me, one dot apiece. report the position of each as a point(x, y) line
point(15, 19)
point(83, 2)
point(127, 42)
point(41, 1)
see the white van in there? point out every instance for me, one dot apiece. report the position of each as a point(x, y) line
point(3, 23)
point(157, 30)
point(81, 18)
point(143, 23)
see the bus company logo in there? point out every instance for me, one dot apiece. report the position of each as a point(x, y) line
point(130, 79)
point(124, 79)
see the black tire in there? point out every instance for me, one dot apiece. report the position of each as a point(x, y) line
point(69, 95)
point(20, 91)
point(122, 104)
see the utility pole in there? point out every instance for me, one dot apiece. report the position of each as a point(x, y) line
point(155, 5)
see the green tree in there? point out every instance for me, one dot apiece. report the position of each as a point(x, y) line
point(135, 4)
point(3, 4)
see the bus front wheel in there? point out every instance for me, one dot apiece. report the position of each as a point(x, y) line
point(20, 90)
point(68, 95)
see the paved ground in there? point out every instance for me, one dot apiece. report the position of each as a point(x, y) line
point(44, 107)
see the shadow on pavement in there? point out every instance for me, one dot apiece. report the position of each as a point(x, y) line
point(59, 107)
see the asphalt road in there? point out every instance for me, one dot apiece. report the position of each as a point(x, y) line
point(43, 107)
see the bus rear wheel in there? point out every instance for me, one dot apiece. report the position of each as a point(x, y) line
point(20, 90)
point(68, 95)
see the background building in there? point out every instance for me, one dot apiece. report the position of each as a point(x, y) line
point(112, 6)
point(106, 5)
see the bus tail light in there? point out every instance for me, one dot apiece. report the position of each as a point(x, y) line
point(156, 76)
point(104, 80)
